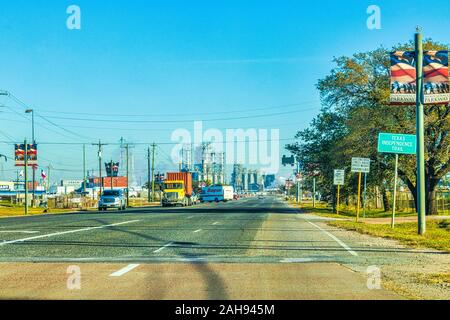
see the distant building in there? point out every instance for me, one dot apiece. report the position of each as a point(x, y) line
point(270, 181)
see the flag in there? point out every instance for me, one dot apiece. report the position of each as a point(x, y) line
point(435, 72)
point(21, 174)
point(43, 175)
point(403, 77)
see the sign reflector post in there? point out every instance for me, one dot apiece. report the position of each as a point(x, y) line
point(339, 180)
point(360, 166)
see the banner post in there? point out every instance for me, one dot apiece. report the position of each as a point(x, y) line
point(420, 135)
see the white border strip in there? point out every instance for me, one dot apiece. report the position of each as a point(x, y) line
point(67, 232)
point(125, 270)
point(162, 248)
point(342, 244)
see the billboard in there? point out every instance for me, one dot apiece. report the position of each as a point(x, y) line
point(403, 78)
point(19, 155)
point(112, 169)
point(435, 73)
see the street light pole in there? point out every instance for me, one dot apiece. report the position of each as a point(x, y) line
point(33, 140)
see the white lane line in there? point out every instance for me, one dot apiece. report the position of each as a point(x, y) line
point(164, 247)
point(341, 243)
point(67, 232)
point(197, 231)
point(125, 270)
point(191, 217)
point(18, 231)
point(216, 223)
point(297, 260)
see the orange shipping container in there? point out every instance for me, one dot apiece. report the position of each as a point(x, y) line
point(182, 176)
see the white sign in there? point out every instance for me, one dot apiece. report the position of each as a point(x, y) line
point(339, 177)
point(361, 165)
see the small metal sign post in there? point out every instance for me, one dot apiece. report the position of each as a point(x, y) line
point(339, 180)
point(396, 144)
point(360, 166)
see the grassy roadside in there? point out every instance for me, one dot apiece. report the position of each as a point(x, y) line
point(323, 210)
point(437, 236)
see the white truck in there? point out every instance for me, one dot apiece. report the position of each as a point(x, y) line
point(217, 194)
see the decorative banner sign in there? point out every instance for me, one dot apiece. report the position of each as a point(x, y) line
point(397, 143)
point(361, 165)
point(403, 78)
point(20, 155)
point(435, 73)
point(339, 177)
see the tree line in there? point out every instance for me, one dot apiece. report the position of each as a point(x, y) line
point(355, 109)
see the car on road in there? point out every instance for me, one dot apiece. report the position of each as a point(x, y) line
point(112, 199)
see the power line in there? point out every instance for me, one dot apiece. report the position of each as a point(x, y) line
point(238, 110)
point(182, 121)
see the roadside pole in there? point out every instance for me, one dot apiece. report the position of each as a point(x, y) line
point(394, 205)
point(338, 198)
point(48, 177)
point(127, 148)
point(26, 176)
point(153, 171)
point(298, 182)
point(84, 176)
point(359, 196)
point(365, 195)
point(420, 135)
point(112, 174)
point(149, 175)
point(314, 192)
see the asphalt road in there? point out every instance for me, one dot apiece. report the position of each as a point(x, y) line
point(223, 251)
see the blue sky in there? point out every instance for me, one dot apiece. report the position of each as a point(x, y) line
point(157, 59)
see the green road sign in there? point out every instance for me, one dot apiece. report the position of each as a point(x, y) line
point(397, 143)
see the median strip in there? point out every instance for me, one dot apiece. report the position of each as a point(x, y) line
point(67, 232)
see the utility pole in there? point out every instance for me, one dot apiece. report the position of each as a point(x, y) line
point(420, 134)
point(112, 174)
point(153, 172)
point(48, 177)
point(84, 170)
point(127, 148)
point(26, 176)
point(100, 145)
point(148, 174)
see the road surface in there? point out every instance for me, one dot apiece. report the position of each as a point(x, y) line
point(247, 249)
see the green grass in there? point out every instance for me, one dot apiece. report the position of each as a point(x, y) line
point(324, 210)
point(436, 237)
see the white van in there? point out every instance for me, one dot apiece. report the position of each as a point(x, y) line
point(217, 194)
